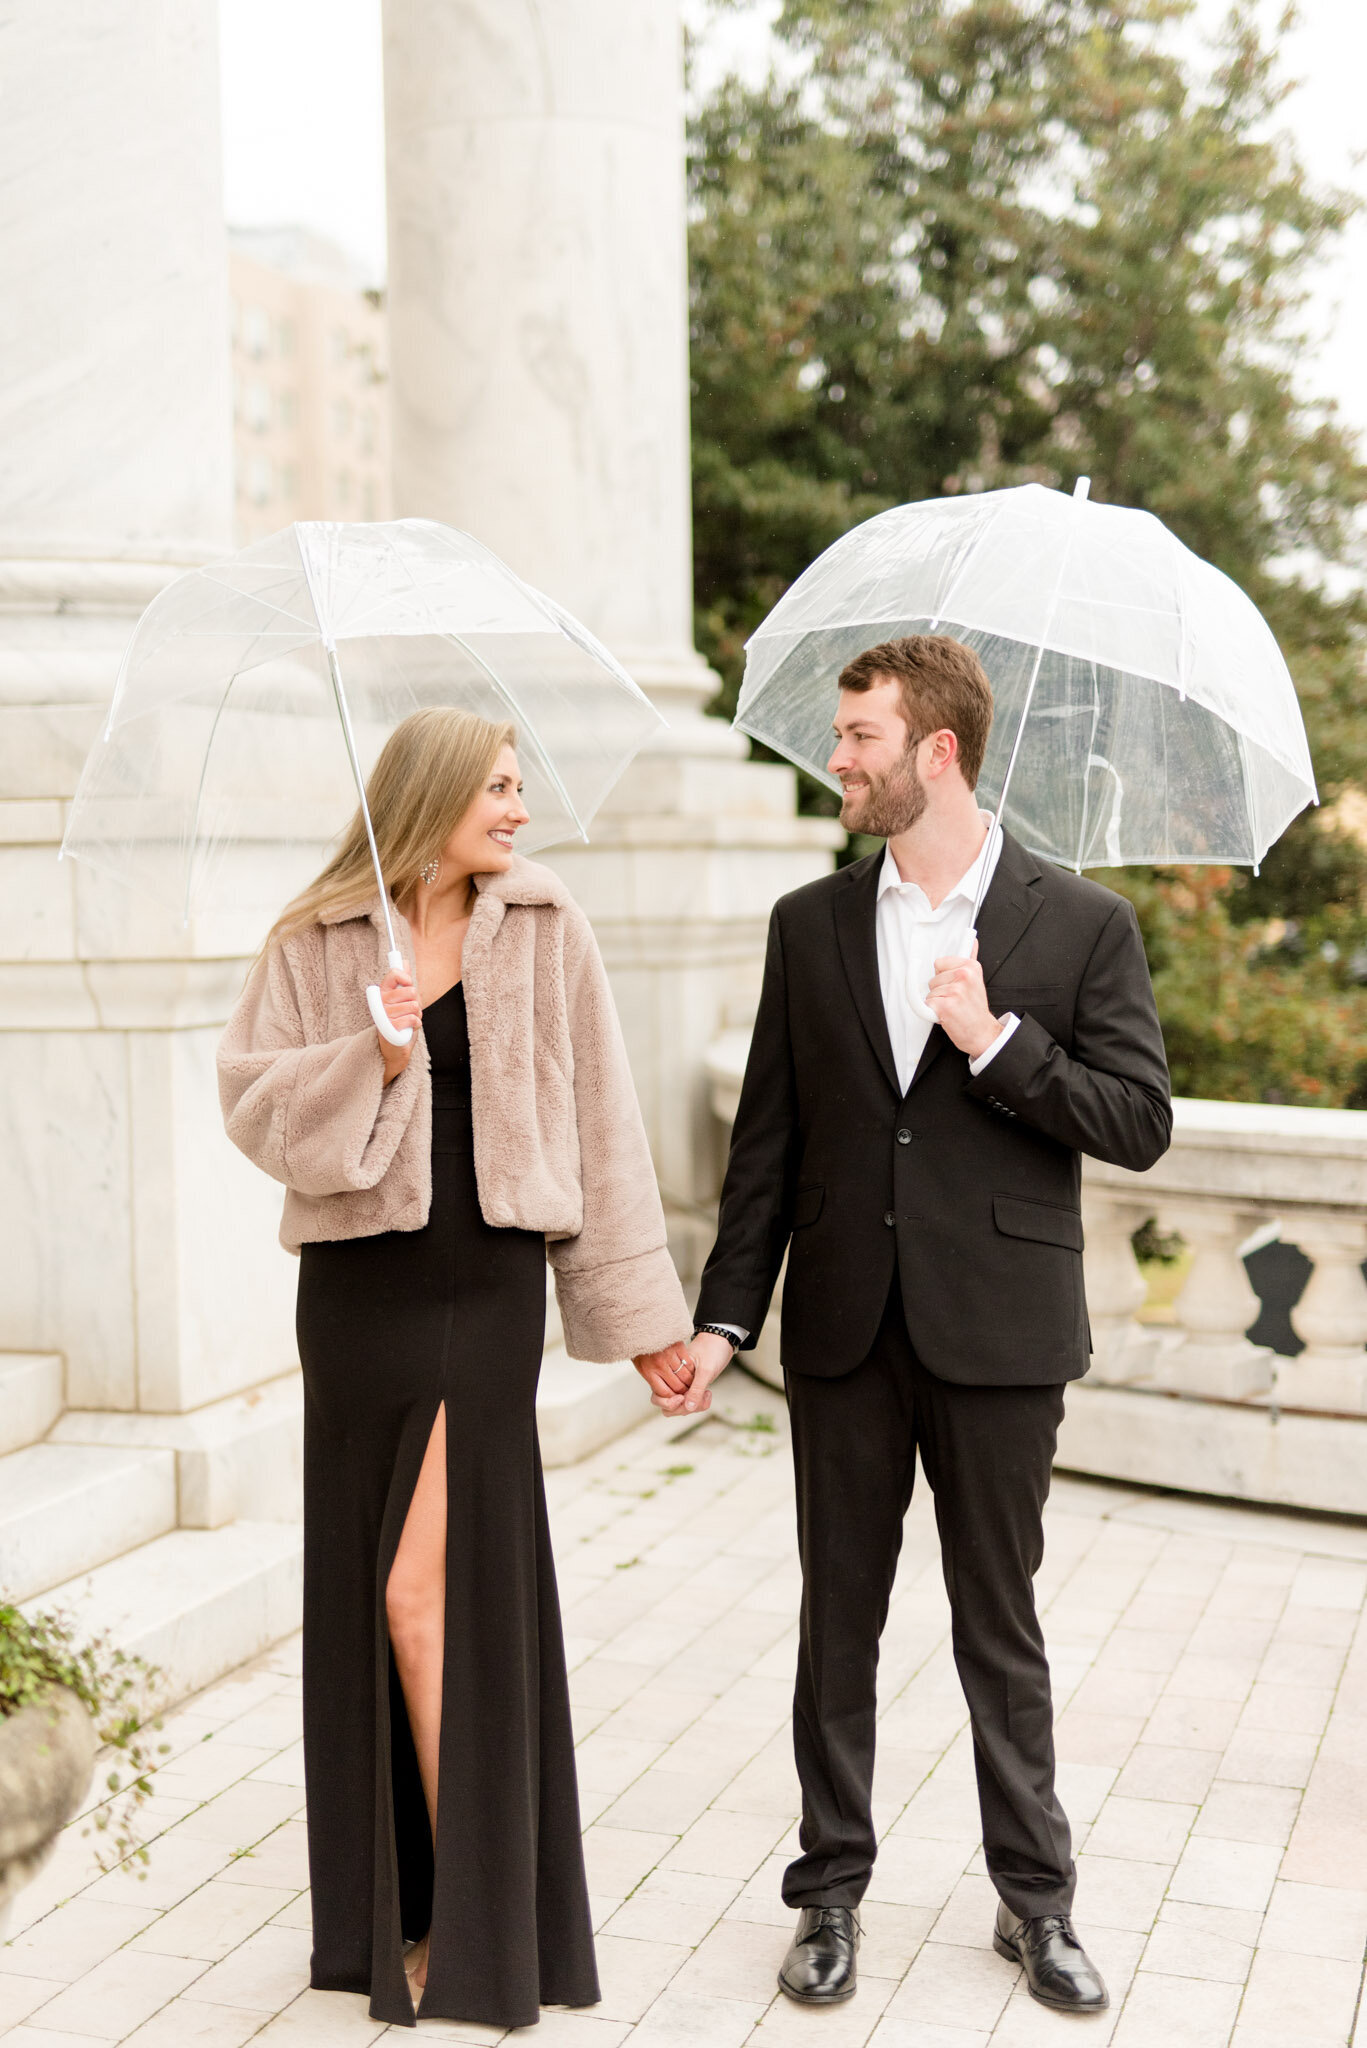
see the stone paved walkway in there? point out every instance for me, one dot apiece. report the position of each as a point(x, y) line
point(1211, 1673)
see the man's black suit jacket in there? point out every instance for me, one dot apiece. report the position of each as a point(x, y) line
point(972, 1186)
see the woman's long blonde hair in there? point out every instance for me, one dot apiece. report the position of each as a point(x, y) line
point(430, 770)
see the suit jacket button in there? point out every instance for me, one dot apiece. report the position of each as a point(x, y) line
point(890, 1218)
point(904, 1137)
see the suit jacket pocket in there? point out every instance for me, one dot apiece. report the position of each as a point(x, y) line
point(807, 1206)
point(1042, 1222)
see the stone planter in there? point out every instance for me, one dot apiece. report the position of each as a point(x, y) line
point(47, 1755)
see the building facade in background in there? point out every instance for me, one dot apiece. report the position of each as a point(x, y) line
point(310, 384)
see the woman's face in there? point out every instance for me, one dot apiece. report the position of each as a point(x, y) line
point(482, 843)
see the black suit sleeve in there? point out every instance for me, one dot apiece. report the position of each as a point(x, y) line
point(756, 1218)
point(1110, 1097)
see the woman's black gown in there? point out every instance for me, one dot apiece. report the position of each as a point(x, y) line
point(390, 1327)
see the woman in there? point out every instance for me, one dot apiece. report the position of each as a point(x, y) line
point(426, 1185)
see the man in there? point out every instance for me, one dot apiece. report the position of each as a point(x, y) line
point(924, 1181)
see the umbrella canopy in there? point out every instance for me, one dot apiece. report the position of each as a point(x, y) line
point(225, 764)
point(1143, 709)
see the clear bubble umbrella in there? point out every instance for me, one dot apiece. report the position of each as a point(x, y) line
point(257, 692)
point(1144, 712)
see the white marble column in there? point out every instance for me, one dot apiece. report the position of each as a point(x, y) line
point(136, 1242)
point(539, 335)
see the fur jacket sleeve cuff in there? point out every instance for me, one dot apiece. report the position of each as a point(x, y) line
point(622, 1309)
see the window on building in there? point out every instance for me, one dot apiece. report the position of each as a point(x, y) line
point(286, 337)
point(289, 481)
point(344, 485)
point(258, 406)
point(259, 480)
point(256, 331)
point(341, 418)
point(365, 427)
point(369, 499)
point(287, 408)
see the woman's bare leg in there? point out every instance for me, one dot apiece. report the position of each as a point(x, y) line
point(415, 1602)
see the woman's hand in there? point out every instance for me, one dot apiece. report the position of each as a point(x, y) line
point(399, 994)
point(668, 1374)
point(708, 1357)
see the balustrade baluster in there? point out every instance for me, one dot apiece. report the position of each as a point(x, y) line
point(1216, 1306)
point(1331, 1316)
point(1122, 1349)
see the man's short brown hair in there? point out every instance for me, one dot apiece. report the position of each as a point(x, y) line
point(944, 688)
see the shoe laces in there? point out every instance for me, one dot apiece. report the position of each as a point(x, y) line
point(825, 1917)
point(1051, 1923)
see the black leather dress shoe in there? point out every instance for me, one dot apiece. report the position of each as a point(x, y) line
point(819, 1967)
point(1058, 1970)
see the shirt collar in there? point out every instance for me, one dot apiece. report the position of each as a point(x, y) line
point(889, 876)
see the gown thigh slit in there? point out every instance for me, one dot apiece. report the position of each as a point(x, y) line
point(419, 1567)
point(391, 1328)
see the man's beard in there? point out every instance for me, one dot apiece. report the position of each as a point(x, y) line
point(891, 804)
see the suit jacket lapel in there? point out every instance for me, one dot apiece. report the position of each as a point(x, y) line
point(1009, 906)
point(857, 937)
point(1007, 911)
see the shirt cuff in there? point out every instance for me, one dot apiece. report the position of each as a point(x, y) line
point(733, 1330)
point(1009, 1023)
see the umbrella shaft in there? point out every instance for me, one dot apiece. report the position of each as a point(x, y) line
point(344, 712)
point(995, 830)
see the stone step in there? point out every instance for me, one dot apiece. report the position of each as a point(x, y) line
point(67, 1508)
point(580, 1407)
point(195, 1603)
point(240, 1458)
point(30, 1396)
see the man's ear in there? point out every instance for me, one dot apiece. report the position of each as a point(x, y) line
point(939, 752)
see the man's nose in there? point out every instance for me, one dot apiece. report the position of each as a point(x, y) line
point(840, 760)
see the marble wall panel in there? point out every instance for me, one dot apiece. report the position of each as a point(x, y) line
point(215, 1291)
point(43, 747)
point(37, 910)
point(65, 1216)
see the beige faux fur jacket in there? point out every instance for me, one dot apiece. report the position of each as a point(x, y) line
point(559, 1143)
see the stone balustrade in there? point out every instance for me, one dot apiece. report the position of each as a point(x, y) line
point(1233, 1170)
point(1194, 1403)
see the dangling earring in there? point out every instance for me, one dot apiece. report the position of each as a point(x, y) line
point(431, 871)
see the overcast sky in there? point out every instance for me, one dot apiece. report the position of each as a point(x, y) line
point(303, 135)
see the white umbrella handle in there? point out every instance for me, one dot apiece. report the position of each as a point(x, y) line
point(918, 1005)
point(377, 1009)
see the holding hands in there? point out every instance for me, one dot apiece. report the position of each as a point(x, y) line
point(958, 996)
point(680, 1379)
point(399, 994)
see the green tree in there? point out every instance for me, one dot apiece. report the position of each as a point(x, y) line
point(981, 243)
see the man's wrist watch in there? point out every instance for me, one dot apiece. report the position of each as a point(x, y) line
point(716, 1330)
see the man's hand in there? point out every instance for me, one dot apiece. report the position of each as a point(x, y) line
point(710, 1356)
point(668, 1373)
point(958, 997)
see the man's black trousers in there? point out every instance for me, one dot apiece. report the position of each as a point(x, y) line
point(986, 1453)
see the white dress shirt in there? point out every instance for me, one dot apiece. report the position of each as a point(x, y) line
point(911, 938)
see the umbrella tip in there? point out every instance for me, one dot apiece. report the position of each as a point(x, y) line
point(1082, 487)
